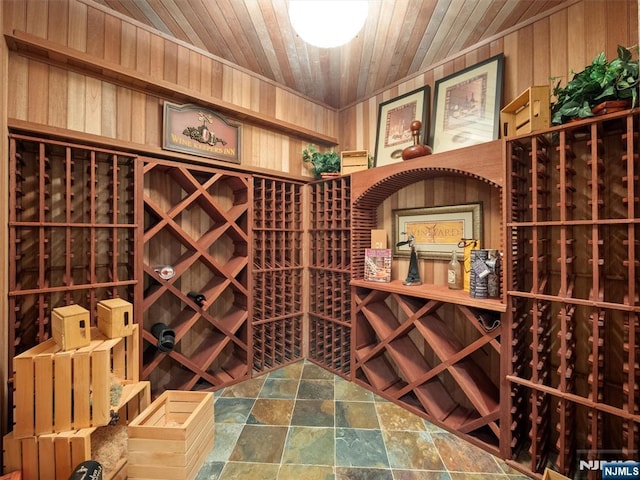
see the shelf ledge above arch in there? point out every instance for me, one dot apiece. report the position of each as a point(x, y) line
point(483, 162)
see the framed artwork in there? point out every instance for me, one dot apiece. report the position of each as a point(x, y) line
point(466, 106)
point(393, 133)
point(436, 230)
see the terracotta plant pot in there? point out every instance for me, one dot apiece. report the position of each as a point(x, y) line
point(611, 106)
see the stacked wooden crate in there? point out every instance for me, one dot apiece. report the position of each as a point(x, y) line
point(63, 395)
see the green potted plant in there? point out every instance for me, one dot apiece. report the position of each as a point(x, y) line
point(321, 162)
point(601, 81)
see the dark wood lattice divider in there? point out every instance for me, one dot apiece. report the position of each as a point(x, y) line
point(277, 273)
point(72, 232)
point(197, 220)
point(329, 274)
point(573, 294)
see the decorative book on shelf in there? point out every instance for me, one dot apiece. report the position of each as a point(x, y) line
point(377, 264)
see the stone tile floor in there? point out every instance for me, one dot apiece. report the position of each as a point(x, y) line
point(301, 422)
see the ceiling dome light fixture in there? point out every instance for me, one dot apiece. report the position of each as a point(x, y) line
point(327, 23)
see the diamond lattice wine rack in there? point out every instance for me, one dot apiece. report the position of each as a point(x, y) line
point(196, 221)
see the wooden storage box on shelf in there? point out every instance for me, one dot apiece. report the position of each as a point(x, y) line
point(54, 456)
point(529, 112)
point(70, 326)
point(353, 161)
point(115, 317)
point(57, 390)
point(172, 437)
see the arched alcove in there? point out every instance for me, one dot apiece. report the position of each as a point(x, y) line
point(370, 188)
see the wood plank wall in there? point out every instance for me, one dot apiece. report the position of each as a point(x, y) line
point(53, 95)
point(551, 46)
point(4, 229)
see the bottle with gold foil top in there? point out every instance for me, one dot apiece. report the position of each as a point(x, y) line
point(454, 272)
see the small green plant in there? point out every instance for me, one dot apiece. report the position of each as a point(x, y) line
point(599, 82)
point(322, 162)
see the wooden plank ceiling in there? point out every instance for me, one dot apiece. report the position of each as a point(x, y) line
point(400, 38)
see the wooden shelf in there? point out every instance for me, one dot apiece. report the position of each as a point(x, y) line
point(440, 293)
point(59, 54)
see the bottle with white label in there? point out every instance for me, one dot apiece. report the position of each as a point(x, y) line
point(454, 272)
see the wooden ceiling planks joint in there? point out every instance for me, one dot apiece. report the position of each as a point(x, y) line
point(398, 41)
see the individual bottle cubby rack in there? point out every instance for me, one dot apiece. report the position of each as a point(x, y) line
point(573, 293)
point(277, 343)
point(72, 230)
point(407, 348)
point(196, 221)
point(331, 342)
point(277, 273)
point(330, 273)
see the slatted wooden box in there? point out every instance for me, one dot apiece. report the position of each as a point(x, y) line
point(57, 391)
point(529, 112)
point(115, 317)
point(172, 437)
point(353, 161)
point(54, 456)
point(70, 326)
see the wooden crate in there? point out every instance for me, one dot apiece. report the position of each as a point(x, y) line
point(57, 391)
point(553, 475)
point(172, 437)
point(115, 318)
point(70, 326)
point(54, 456)
point(353, 161)
point(529, 112)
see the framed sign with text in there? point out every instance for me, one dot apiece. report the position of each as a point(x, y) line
point(198, 131)
point(437, 230)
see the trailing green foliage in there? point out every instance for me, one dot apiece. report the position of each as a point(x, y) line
point(599, 82)
point(327, 162)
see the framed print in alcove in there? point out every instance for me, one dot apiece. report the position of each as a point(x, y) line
point(394, 124)
point(466, 106)
point(437, 230)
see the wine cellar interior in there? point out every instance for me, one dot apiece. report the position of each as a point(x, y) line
point(236, 270)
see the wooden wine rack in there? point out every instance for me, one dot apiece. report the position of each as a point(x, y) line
point(277, 273)
point(573, 220)
point(72, 232)
point(197, 219)
point(417, 359)
point(424, 347)
point(329, 274)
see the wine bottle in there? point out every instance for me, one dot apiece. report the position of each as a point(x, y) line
point(454, 272)
point(197, 297)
